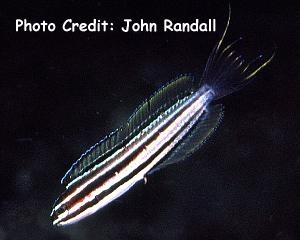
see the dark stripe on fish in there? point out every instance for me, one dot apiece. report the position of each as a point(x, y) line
point(111, 172)
point(127, 178)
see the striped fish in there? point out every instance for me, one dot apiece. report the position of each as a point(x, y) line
point(165, 129)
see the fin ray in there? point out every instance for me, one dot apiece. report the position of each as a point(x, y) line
point(226, 71)
point(201, 132)
point(150, 109)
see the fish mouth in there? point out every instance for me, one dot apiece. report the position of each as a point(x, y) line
point(53, 217)
point(58, 213)
point(53, 214)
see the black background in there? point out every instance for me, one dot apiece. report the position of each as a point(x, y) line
point(61, 92)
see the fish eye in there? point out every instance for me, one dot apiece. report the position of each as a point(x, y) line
point(61, 210)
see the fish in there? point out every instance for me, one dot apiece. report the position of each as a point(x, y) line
point(165, 129)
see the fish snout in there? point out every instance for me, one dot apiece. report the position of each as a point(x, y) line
point(58, 214)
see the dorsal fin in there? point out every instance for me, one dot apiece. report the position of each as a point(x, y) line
point(149, 110)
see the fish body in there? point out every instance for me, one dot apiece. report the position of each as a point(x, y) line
point(165, 129)
point(133, 161)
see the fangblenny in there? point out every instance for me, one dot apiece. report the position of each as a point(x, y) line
point(165, 129)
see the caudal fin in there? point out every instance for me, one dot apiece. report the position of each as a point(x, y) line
point(227, 71)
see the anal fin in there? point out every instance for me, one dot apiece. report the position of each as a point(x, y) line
point(199, 134)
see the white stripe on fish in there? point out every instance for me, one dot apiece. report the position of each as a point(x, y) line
point(165, 129)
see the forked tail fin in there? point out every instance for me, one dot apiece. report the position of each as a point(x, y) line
point(226, 71)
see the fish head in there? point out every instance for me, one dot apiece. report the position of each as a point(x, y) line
point(59, 213)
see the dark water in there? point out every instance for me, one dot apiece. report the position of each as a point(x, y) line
point(61, 92)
